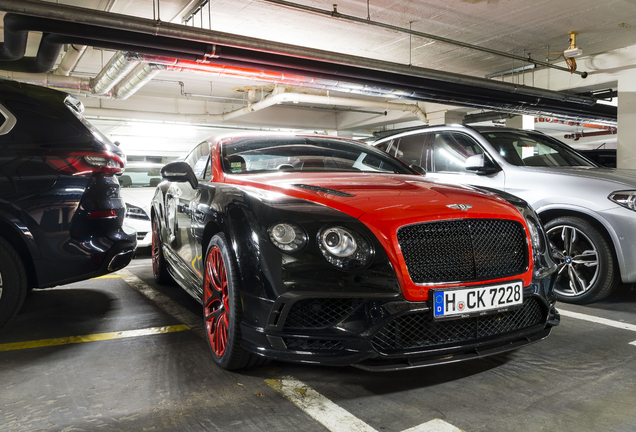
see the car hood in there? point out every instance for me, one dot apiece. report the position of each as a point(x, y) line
point(625, 177)
point(374, 198)
point(140, 197)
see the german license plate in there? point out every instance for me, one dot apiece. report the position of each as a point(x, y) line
point(479, 300)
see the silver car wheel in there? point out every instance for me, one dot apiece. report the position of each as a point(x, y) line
point(1, 285)
point(577, 260)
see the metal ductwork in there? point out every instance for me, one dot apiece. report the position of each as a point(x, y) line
point(117, 68)
point(138, 77)
point(208, 47)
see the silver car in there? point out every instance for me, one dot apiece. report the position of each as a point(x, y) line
point(589, 212)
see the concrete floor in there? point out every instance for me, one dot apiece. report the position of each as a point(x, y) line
point(582, 378)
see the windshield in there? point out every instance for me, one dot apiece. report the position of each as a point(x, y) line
point(271, 154)
point(135, 177)
point(528, 149)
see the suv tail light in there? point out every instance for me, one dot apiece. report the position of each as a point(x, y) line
point(85, 163)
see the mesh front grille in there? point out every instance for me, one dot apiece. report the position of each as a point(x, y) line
point(463, 250)
point(313, 344)
point(320, 312)
point(419, 330)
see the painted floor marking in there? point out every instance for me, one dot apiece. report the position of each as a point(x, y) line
point(195, 322)
point(597, 320)
point(109, 276)
point(92, 337)
point(330, 415)
point(333, 417)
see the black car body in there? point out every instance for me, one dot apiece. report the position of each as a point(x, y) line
point(298, 256)
point(60, 208)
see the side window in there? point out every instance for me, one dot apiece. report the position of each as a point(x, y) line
point(198, 158)
point(412, 149)
point(388, 146)
point(450, 151)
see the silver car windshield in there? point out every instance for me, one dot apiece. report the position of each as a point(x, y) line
point(528, 149)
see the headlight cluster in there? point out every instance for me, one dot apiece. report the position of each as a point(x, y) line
point(536, 234)
point(344, 248)
point(626, 199)
point(287, 237)
point(135, 212)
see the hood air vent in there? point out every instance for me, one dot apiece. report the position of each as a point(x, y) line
point(323, 190)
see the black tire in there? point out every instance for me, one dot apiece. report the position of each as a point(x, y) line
point(586, 264)
point(222, 308)
point(13, 282)
point(159, 266)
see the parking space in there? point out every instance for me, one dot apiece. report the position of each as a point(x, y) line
point(580, 379)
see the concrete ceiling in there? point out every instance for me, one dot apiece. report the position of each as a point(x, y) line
point(513, 26)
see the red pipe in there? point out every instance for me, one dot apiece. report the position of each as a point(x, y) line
point(576, 136)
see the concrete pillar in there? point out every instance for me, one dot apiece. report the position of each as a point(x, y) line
point(626, 144)
point(521, 122)
point(444, 117)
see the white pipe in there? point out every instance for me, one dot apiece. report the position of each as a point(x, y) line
point(77, 85)
point(275, 99)
point(70, 59)
point(117, 68)
point(138, 77)
point(278, 98)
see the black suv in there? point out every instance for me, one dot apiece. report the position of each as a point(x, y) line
point(60, 209)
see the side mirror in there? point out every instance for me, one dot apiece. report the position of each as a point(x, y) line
point(418, 169)
point(475, 163)
point(481, 165)
point(179, 172)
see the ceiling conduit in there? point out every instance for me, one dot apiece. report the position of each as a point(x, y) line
point(70, 59)
point(140, 75)
point(117, 68)
point(124, 32)
point(174, 32)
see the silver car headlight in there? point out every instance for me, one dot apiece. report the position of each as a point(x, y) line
point(536, 234)
point(626, 199)
point(344, 248)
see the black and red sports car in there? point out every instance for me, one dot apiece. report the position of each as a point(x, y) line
point(324, 250)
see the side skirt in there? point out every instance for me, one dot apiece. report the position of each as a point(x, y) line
point(180, 272)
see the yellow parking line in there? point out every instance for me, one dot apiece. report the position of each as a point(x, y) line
point(93, 337)
point(110, 276)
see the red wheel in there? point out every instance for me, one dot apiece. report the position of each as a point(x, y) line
point(216, 301)
point(159, 270)
point(222, 311)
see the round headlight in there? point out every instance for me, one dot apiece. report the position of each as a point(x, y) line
point(339, 242)
point(536, 235)
point(344, 248)
point(287, 237)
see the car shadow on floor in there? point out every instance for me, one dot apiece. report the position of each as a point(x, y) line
point(55, 313)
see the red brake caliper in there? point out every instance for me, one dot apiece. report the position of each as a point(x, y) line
point(215, 296)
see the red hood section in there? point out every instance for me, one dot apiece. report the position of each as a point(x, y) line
point(385, 202)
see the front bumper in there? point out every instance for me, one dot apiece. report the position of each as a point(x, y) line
point(143, 228)
point(384, 334)
point(622, 226)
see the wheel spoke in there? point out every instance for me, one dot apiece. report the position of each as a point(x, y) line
point(569, 237)
point(577, 283)
point(589, 258)
point(562, 266)
point(216, 301)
